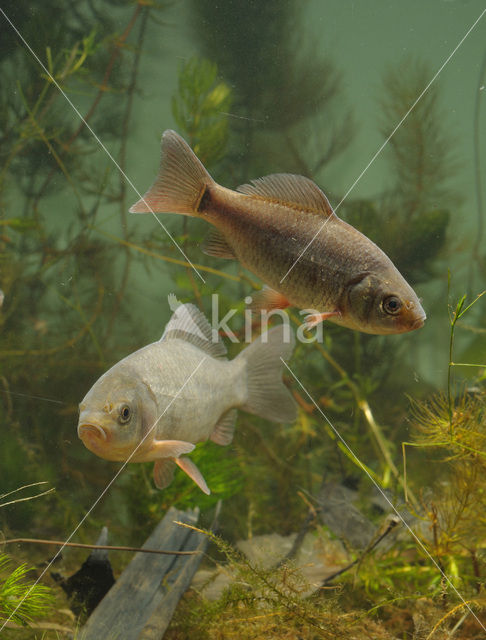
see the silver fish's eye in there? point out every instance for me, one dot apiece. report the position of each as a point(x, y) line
point(392, 305)
point(125, 414)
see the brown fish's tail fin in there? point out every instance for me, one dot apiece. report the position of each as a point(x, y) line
point(268, 397)
point(180, 183)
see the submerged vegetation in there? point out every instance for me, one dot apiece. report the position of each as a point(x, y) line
point(75, 271)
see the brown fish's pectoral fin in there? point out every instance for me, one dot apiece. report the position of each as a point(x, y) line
point(163, 472)
point(268, 299)
point(217, 245)
point(170, 448)
point(313, 319)
point(224, 429)
point(193, 472)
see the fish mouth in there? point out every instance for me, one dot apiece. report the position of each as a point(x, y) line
point(418, 323)
point(91, 430)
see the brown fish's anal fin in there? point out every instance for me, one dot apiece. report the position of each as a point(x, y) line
point(224, 429)
point(217, 245)
point(290, 190)
point(268, 299)
point(170, 448)
point(193, 472)
point(163, 472)
point(181, 181)
point(313, 319)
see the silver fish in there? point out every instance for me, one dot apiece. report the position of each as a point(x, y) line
point(157, 403)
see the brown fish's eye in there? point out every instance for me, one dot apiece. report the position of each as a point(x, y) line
point(125, 414)
point(392, 305)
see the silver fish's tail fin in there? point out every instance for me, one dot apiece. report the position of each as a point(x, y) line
point(180, 183)
point(268, 397)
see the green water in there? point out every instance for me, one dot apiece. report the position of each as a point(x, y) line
point(86, 283)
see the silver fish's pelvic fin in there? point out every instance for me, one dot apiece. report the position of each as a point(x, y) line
point(193, 472)
point(268, 397)
point(163, 472)
point(189, 324)
point(180, 183)
point(296, 192)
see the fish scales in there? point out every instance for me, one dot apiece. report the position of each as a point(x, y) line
point(191, 389)
point(283, 229)
point(159, 402)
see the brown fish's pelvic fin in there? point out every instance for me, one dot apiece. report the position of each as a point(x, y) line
point(268, 299)
point(224, 429)
point(170, 448)
point(181, 182)
point(163, 472)
point(189, 324)
point(313, 319)
point(296, 192)
point(217, 245)
point(193, 472)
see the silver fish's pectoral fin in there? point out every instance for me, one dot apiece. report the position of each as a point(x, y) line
point(193, 472)
point(313, 319)
point(170, 448)
point(163, 472)
point(224, 429)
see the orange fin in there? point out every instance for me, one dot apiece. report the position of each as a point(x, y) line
point(181, 182)
point(294, 191)
point(268, 299)
point(313, 319)
point(163, 472)
point(224, 429)
point(217, 245)
point(193, 472)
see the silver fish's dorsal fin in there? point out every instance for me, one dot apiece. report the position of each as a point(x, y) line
point(294, 191)
point(189, 324)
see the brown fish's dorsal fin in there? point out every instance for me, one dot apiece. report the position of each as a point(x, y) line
point(217, 245)
point(294, 191)
point(189, 324)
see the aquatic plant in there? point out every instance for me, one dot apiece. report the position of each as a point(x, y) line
point(20, 600)
point(199, 107)
point(281, 88)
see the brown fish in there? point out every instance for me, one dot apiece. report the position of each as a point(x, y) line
point(283, 229)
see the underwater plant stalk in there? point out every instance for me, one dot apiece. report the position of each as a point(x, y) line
point(459, 311)
point(104, 547)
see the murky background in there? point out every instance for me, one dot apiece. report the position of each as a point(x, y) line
point(313, 88)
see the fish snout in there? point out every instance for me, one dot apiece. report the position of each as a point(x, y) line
point(418, 322)
point(89, 431)
point(413, 316)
